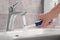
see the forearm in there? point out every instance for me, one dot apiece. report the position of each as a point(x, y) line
point(56, 10)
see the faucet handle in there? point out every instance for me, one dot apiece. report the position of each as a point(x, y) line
point(11, 8)
point(15, 4)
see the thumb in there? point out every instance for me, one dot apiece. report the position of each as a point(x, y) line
point(45, 23)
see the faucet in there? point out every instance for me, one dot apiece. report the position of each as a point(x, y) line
point(11, 10)
point(12, 16)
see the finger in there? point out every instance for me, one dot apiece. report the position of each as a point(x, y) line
point(45, 23)
point(50, 22)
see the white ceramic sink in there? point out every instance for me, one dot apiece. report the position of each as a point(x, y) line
point(4, 36)
point(26, 33)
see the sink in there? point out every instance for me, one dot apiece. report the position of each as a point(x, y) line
point(31, 34)
point(25, 33)
point(41, 34)
point(4, 36)
point(34, 34)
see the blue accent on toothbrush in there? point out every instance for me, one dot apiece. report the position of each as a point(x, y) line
point(38, 23)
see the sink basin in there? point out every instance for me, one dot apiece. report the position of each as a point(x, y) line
point(41, 34)
point(31, 34)
point(4, 36)
point(24, 33)
point(53, 37)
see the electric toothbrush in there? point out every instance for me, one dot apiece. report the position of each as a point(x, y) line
point(36, 24)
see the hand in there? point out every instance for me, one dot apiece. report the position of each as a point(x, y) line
point(47, 19)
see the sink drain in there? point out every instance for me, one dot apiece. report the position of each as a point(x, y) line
point(17, 35)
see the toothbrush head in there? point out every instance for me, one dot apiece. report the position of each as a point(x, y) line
point(38, 23)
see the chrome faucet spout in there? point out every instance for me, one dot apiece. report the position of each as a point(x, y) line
point(12, 17)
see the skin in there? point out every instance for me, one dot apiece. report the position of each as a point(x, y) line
point(47, 17)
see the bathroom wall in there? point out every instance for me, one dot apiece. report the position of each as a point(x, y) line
point(3, 14)
point(26, 5)
point(49, 4)
point(59, 0)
